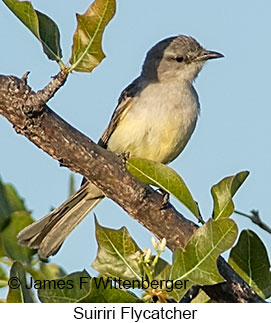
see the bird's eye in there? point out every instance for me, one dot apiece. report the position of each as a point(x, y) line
point(179, 59)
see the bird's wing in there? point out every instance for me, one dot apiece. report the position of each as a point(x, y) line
point(124, 104)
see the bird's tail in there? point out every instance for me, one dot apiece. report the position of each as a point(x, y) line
point(48, 233)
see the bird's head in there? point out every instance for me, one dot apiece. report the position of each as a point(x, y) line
point(180, 57)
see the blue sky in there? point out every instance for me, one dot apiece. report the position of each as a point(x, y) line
point(233, 132)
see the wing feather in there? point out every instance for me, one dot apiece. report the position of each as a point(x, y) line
point(124, 104)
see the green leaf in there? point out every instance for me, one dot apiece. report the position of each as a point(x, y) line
point(5, 210)
point(79, 287)
point(18, 290)
point(197, 263)
point(49, 37)
point(43, 27)
point(164, 274)
point(159, 267)
point(2, 252)
point(3, 277)
point(166, 178)
point(18, 221)
point(9, 203)
point(87, 50)
point(99, 294)
point(52, 271)
point(16, 203)
point(72, 288)
point(250, 260)
point(202, 297)
point(46, 271)
point(116, 255)
point(223, 193)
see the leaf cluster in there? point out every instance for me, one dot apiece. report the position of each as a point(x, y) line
point(87, 51)
point(14, 216)
point(121, 263)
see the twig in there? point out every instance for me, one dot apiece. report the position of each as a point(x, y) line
point(35, 101)
point(255, 218)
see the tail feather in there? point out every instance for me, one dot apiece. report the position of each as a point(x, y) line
point(48, 233)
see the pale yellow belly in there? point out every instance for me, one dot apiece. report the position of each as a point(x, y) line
point(156, 134)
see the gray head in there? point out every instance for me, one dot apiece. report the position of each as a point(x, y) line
point(180, 57)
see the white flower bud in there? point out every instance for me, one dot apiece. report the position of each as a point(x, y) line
point(162, 244)
point(148, 255)
point(136, 255)
point(154, 243)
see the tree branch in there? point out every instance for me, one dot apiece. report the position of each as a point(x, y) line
point(37, 122)
point(255, 218)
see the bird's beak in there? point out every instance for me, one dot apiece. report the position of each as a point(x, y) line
point(209, 54)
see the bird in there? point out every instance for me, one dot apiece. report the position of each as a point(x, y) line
point(154, 119)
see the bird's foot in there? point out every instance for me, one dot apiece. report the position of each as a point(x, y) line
point(165, 199)
point(124, 156)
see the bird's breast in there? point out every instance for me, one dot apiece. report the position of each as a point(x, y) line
point(158, 124)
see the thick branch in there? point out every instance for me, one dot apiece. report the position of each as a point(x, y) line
point(108, 172)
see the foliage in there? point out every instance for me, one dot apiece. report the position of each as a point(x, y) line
point(223, 193)
point(42, 27)
point(121, 264)
point(87, 51)
point(250, 260)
